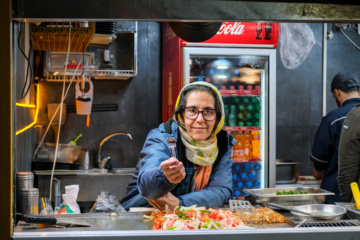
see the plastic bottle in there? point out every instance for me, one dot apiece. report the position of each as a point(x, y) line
point(239, 146)
point(241, 108)
point(232, 118)
point(245, 100)
point(255, 142)
point(247, 145)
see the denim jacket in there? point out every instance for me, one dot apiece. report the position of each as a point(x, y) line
point(149, 180)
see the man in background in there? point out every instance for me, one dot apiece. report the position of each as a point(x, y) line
point(324, 154)
point(349, 154)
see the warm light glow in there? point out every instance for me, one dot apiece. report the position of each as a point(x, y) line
point(25, 105)
point(36, 113)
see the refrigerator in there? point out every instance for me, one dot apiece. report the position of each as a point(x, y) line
point(240, 60)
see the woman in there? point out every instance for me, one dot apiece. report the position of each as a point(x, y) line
point(201, 173)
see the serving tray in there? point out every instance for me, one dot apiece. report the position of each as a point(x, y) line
point(263, 196)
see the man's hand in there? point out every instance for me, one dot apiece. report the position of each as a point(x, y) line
point(317, 174)
point(167, 201)
point(173, 170)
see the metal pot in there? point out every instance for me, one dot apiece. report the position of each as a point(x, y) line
point(286, 171)
point(320, 212)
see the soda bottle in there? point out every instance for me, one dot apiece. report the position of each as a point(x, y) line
point(255, 142)
point(245, 100)
point(248, 116)
point(232, 116)
point(254, 100)
point(247, 145)
point(237, 100)
point(250, 107)
point(241, 108)
point(232, 120)
point(239, 146)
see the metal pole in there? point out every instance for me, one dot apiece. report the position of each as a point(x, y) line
point(324, 63)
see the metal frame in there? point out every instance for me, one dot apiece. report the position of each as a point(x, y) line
point(270, 94)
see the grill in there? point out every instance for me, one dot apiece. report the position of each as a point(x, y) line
point(329, 224)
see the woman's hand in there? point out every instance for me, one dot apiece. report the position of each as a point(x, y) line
point(174, 170)
point(167, 201)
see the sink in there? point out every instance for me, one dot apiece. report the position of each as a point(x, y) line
point(91, 182)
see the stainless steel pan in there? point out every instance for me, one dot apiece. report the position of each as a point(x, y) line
point(320, 212)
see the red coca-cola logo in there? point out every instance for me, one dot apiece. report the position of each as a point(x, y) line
point(232, 28)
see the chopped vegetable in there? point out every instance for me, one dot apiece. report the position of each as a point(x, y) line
point(283, 192)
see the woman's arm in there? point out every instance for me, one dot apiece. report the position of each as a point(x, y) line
point(152, 183)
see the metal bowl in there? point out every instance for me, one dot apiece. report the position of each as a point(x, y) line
point(67, 153)
point(322, 212)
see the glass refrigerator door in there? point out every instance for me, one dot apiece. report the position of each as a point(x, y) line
point(243, 77)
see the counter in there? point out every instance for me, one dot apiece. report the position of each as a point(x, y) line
point(133, 226)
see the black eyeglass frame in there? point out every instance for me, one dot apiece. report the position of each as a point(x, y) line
point(198, 112)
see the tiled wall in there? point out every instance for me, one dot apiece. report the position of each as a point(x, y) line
point(299, 94)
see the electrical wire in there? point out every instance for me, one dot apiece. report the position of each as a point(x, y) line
point(29, 67)
point(60, 114)
point(342, 31)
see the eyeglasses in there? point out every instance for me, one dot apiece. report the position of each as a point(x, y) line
point(192, 113)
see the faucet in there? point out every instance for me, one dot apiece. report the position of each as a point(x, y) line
point(103, 161)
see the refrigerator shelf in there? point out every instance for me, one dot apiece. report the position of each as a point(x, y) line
point(229, 129)
point(238, 160)
point(237, 93)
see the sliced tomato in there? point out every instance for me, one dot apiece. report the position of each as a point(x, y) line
point(170, 223)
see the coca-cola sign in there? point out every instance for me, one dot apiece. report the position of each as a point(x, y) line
point(243, 34)
point(235, 28)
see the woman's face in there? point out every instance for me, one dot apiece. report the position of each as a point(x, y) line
point(199, 129)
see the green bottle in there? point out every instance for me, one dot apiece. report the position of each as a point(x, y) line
point(241, 108)
point(248, 116)
point(246, 100)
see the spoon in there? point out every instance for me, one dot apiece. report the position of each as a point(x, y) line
point(291, 209)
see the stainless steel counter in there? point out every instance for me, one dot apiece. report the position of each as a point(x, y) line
point(134, 226)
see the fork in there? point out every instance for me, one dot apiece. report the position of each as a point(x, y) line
point(172, 143)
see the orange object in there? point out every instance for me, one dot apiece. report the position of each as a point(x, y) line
point(255, 142)
point(247, 145)
point(239, 146)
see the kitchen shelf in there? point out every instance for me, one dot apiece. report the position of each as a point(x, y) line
point(120, 65)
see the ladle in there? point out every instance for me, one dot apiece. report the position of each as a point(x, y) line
point(291, 209)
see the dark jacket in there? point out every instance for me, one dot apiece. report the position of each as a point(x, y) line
point(349, 154)
point(324, 152)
